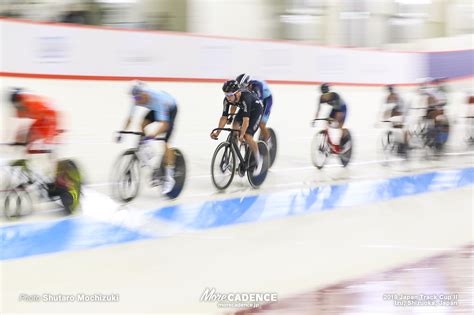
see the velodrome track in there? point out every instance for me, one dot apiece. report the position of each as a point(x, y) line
point(303, 230)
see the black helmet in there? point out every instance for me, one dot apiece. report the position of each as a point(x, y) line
point(15, 95)
point(230, 86)
point(243, 80)
point(325, 87)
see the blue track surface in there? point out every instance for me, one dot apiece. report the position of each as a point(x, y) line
point(23, 240)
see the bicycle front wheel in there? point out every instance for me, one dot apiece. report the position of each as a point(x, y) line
point(126, 177)
point(319, 149)
point(223, 166)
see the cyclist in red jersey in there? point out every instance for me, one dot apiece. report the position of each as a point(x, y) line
point(45, 118)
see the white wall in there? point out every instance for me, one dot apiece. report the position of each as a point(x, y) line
point(78, 51)
point(459, 42)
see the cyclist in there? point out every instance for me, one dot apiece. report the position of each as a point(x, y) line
point(393, 111)
point(247, 119)
point(338, 115)
point(40, 138)
point(162, 109)
point(436, 100)
point(264, 93)
point(42, 132)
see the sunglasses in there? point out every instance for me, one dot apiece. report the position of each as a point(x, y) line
point(137, 98)
point(230, 94)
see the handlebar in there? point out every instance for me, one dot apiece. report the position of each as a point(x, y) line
point(141, 134)
point(138, 133)
point(226, 129)
point(16, 143)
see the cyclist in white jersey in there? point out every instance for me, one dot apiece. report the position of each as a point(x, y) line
point(162, 109)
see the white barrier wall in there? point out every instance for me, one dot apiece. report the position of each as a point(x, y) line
point(44, 49)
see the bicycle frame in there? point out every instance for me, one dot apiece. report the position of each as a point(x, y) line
point(333, 149)
point(19, 176)
point(232, 139)
point(140, 146)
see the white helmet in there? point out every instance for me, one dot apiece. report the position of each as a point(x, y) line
point(137, 87)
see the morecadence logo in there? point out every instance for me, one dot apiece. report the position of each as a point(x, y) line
point(238, 299)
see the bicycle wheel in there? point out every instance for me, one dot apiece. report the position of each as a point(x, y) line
point(69, 185)
point(256, 181)
point(346, 153)
point(179, 173)
point(319, 149)
point(223, 166)
point(17, 203)
point(272, 145)
point(126, 177)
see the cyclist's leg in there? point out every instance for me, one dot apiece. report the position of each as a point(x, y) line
point(169, 156)
point(237, 122)
point(254, 122)
point(336, 132)
point(341, 118)
point(149, 118)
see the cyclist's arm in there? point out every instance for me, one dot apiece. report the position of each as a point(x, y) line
point(318, 107)
point(129, 118)
point(223, 119)
point(222, 122)
point(127, 123)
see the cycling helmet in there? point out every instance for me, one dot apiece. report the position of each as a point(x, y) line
point(137, 87)
point(325, 87)
point(15, 94)
point(230, 86)
point(243, 80)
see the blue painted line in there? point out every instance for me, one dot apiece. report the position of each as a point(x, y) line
point(278, 205)
point(23, 240)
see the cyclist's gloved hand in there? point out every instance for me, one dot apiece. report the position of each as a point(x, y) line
point(215, 134)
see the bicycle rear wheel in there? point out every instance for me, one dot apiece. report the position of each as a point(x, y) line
point(126, 177)
point(69, 185)
point(223, 166)
point(272, 145)
point(319, 149)
point(346, 154)
point(257, 180)
point(179, 173)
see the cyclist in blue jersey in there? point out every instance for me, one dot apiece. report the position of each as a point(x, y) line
point(263, 92)
point(162, 109)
